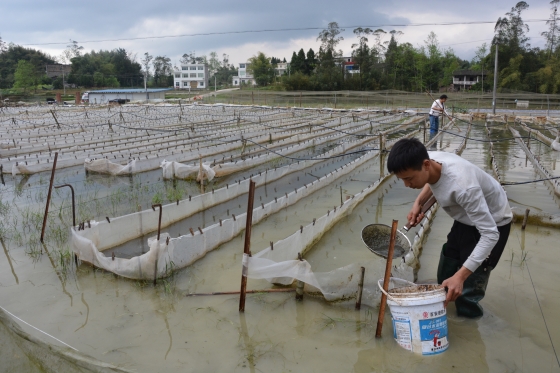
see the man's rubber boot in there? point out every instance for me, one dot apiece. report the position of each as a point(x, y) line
point(447, 267)
point(474, 289)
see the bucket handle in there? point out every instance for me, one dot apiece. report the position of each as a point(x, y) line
point(387, 294)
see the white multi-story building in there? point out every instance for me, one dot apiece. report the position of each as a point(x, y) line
point(191, 76)
point(281, 68)
point(243, 76)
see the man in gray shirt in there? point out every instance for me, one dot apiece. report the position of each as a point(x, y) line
point(477, 203)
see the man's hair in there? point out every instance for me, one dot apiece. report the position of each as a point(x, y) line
point(407, 154)
point(443, 96)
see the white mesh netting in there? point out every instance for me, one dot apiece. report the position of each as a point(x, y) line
point(46, 357)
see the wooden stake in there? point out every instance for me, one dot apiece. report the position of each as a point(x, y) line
point(386, 279)
point(48, 197)
point(247, 247)
point(360, 288)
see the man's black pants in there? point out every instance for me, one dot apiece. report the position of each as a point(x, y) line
point(463, 238)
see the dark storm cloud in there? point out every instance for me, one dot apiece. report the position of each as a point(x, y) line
point(36, 22)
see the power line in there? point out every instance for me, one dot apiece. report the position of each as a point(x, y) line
point(529, 182)
point(283, 30)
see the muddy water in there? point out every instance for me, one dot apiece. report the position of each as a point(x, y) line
point(147, 329)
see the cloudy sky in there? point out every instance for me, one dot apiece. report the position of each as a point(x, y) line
point(36, 23)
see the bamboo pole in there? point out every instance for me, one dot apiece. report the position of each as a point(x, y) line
point(386, 279)
point(247, 246)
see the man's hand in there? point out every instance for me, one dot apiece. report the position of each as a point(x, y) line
point(454, 284)
point(415, 216)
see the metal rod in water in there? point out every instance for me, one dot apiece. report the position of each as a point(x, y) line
point(159, 220)
point(247, 246)
point(73, 202)
point(360, 288)
point(386, 279)
point(48, 197)
point(73, 213)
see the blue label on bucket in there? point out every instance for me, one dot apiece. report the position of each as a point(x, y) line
point(402, 332)
point(433, 334)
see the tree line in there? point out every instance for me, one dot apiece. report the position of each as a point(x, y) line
point(381, 61)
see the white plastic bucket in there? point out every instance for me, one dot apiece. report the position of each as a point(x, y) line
point(419, 318)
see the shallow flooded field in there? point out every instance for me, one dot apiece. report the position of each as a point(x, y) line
point(138, 326)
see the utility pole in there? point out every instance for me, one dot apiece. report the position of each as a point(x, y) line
point(495, 81)
point(215, 85)
point(63, 85)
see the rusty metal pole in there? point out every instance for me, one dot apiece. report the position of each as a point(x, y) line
point(48, 198)
point(159, 221)
point(360, 288)
point(247, 247)
point(73, 202)
point(73, 213)
point(386, 279)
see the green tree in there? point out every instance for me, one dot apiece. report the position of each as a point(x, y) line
point(553, 32)
point(361, 54)
point(261, 69)
point(329, 39)
point(163, 71)
point(213, 63)
point(10, 58)
point(511, 75)
point(310, 61)
point(25, 76)
point(511, 34)
point(297, 64)
point(3, 46)
point(296, 82)
point(548, 77)
point(117, 63)
point(329, 72)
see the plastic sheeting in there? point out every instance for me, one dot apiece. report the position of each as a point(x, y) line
point(105, 166)
point(127, 227)
point(185, 250)
point(182, 171)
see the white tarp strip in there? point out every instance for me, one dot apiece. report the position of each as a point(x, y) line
point(127, 227)
point(183, 171)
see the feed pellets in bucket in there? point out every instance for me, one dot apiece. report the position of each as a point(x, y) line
point(419, 316)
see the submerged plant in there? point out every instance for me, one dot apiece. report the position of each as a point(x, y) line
point(157, 198)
